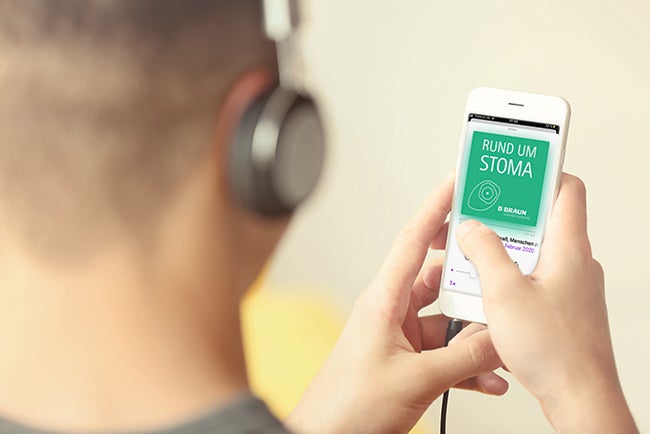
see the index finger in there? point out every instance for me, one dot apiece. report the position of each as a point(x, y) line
point(405, 259)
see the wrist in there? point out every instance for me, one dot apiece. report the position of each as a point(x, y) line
point(294, 423)
point(298, 422)
point(314, 415)
point(593, 403)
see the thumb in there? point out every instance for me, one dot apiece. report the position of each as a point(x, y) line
point(498, 274)
point(448, 366)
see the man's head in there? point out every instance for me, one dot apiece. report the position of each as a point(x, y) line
point(115, 117)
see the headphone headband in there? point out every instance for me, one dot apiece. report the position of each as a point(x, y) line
point(281, 19)
point(281, 22)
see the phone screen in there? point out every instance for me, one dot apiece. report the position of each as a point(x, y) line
point(505, 181)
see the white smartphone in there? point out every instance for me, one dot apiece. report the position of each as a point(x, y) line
point(509, 169)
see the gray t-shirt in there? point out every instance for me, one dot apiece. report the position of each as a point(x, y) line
point(247, 415)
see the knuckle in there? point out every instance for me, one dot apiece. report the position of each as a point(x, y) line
point(600, 272)
point(410, 235)
point(362, 304)
point(368, 307)
point(577, 185)
point(481, 353)
point(598, 266)
point(582, 252)
point(440, 208)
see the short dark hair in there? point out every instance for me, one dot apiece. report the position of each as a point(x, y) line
point(106, 105)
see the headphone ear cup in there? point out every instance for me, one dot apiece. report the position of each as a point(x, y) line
point(242, 173)
point(278, 153)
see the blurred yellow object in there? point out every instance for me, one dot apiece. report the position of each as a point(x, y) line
point(287, 337)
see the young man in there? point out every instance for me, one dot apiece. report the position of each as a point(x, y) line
point(124, 257)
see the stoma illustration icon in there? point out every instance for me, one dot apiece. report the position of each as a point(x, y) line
point(484, 196)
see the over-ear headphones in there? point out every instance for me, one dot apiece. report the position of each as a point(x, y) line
point(278, 150)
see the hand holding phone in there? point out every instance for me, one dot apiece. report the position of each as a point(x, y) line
point(551, 328)
point(511, 154)
point(389, 363)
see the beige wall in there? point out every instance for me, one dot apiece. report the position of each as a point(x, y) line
point(393, 77)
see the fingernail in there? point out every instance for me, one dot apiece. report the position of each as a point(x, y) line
point(465, 227)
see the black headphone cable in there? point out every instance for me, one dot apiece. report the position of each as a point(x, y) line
point(453, 328)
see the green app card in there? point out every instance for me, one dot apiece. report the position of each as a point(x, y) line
point(505, 178)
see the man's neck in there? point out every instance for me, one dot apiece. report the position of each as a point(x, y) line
point(115, 352)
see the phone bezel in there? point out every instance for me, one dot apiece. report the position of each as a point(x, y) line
point(513, 105)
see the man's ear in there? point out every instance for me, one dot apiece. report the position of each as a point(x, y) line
point(242, 94)
point(255, 237)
